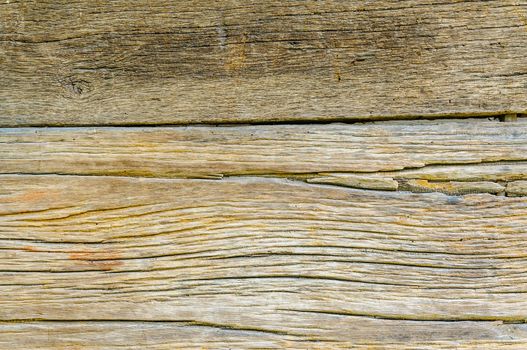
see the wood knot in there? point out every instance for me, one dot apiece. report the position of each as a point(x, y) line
point(74, 87)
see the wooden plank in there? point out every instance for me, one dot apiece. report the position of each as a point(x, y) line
point(160, 61)
point(258, 260)
point(272, 149)
point(171, 335)
point(454, 157)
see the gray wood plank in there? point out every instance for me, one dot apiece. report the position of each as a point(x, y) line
point(101, 335)
point(159, 61)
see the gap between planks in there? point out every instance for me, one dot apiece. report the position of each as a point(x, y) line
point(503, 116)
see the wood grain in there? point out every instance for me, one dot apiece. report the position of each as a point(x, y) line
point(383, 235)
point(454, 157)
point(180, 335)
point(255, 262)
point(148, 62)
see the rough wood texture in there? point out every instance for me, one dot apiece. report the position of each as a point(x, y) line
point(384, 235)
point(156, 61)
point(454, 157)
point(256, 262)
point(184, 335)
point(517, 188)
point(273, 149)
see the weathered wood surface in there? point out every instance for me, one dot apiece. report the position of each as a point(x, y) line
point(454, 157)
point(383, 235)
point(181, 335)
point(103, 262)
point(158, 61)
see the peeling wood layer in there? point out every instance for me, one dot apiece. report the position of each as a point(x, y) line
point(517, 188)
point(275, 262)
point(173, 62)
point(457, 179)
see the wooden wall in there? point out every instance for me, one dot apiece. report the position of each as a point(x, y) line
point(263, 174)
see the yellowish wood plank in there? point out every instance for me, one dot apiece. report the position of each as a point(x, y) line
point(263, 260)
point(467, 150)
